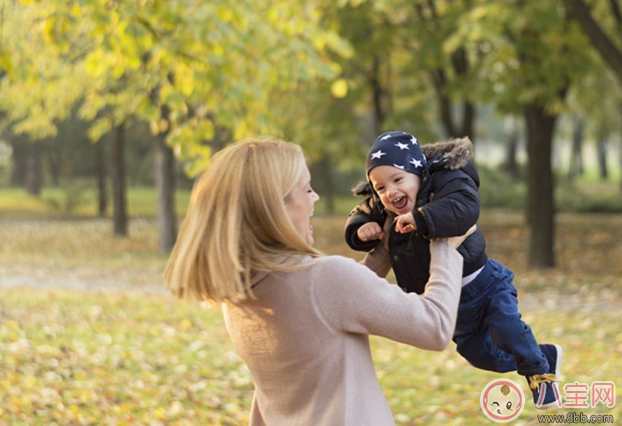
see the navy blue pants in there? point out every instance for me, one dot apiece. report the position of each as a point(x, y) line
point(489, 332)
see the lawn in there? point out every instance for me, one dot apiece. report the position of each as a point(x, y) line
point(88, 337)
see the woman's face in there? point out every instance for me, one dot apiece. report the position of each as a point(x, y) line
point(300, 205)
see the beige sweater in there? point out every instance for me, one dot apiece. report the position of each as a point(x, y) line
point(305, 337)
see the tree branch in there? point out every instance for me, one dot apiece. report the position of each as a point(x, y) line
point(610, 54)
point(615, 10)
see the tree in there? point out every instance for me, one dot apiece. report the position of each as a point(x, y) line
point(202, 59)
point(532, 60)
point(610, 53)
point(101, 174)
point(120, 216)
point(511, 146)
point(410, 67)
point(449, 69)
point(576, 150)
point(385, 85)
point(605, 39)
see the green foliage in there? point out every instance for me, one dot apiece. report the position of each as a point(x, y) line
point(39, 89)
point(589, 198)
point(498, 190)
point(531, 53)
point(305, 72)
point(179, 66)
point(598, 96)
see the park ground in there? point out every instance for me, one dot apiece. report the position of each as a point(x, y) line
point(88, 336)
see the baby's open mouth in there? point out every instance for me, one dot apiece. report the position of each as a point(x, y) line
point(400, 203)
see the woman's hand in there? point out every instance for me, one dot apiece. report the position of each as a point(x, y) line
point(455, 242)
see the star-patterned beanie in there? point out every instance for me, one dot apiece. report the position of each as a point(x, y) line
point(397, 149)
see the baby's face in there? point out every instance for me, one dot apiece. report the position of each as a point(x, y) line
point(397, 188)
point(503, 401)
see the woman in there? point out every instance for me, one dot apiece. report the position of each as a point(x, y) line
point(298, 319)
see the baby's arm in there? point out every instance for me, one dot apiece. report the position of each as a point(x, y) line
point(453, 209)
point(362, 219)
point(370, 231)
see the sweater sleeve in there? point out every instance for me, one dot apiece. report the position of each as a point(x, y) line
point(351, 298)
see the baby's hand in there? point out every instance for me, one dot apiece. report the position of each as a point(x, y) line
point(370, 231)
point(405, 223)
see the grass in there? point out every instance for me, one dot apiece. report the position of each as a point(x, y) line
point(497, 190)
point(77, 201)
point(126, 353)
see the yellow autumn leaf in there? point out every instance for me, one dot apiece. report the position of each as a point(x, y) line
point(241, 130)
point(163, 125)
point(339, 88)
point(76, 11)
point(206, 129)
point(159, 413)
point(154, 127)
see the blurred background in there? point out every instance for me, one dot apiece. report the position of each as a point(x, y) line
point(109, 109)
point(102, 102)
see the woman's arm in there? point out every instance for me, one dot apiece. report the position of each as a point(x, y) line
point(353, 299)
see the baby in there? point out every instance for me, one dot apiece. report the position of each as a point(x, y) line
point(415, 194)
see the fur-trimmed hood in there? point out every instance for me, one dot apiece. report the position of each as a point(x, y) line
point(452, 154)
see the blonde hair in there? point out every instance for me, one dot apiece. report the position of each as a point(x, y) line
point(237, 222)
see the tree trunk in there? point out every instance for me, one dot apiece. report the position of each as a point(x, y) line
point(328, 186)
point(165, 181)
point(460, 64)
point(119, 181)
point(620, 146)
point(601, 147)
point(100, 171)
point(165, 178)
point(54, 156)
point(468, 121)
point(439, 81)
point(576, 150)
point(33, 180)
point(378, 95)
point(19, 148)
point(540, 196)
point(511, 146)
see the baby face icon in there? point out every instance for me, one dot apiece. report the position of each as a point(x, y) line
point(502, 400)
